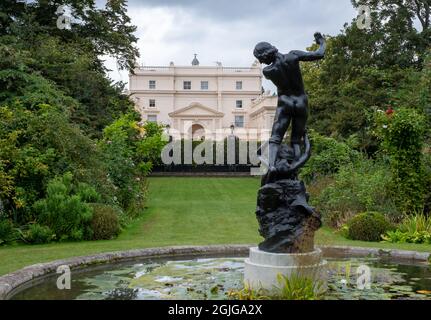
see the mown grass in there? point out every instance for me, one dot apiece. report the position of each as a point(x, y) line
point(181, 211)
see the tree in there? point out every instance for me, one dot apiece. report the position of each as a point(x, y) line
point(402, 43)
point(69, 60)
point(104, 31)
point(56, 98)
point(371, 68)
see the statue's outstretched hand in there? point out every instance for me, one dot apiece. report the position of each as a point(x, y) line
point(319, 38)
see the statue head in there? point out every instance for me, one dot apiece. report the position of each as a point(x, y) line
point(265, 52)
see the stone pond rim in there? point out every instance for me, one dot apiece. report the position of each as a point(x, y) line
point(10, 283)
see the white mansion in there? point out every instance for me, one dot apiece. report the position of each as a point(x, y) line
point(198, 100)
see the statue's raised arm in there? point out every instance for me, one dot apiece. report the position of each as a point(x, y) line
point(313, 55)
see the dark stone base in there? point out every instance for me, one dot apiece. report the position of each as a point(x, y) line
point(286, 220)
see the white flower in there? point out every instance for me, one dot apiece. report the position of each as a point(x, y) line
point(385, 126)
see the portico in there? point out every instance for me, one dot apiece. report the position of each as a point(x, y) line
point(196, 120)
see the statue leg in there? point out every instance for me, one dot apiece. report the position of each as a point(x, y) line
point(299, 123)
point(281, 124)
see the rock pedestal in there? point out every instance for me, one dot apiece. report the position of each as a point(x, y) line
point(286, 220)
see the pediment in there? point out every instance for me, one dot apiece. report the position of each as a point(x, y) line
point(196, 110)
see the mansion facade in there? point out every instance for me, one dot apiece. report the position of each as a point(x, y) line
point(197, 100)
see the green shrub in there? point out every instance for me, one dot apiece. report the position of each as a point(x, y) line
point(139, 202)
point(8, 233)
point(398, 236)
point(63, 212)
point(105, 223)
point(294, 287)
point(37, 145)
point(368, 226)
point(329, 155)
point(403, 136)
point(299, 287)
point(87, 193)
point(414, 229)
point(395, 236)
point(130, 151)
point(416, 223)
point(38, 234)
point(358, 187)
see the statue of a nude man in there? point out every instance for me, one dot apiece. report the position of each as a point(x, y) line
point(284, 71)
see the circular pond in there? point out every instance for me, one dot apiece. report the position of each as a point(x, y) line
point(213, 277)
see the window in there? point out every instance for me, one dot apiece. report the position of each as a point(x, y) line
point(204, 85)
point(239, 85)
point(187, 85)
point(152, 118)
point(239, 104)
point(152, 84)
point(152, 103)
point(239, 121)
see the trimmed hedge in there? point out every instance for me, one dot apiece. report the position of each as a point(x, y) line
point(105, 223)
point(368, 226)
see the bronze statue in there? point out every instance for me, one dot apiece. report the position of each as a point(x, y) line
point(286, 220)
point(284, 71)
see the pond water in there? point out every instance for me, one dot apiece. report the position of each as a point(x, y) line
point(212, 278)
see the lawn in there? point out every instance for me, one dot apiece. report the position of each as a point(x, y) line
point(181, 211)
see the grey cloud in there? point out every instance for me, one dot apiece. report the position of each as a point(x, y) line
point(278, 19)
point(227, 30)
point(276, 11)
point(217, 9)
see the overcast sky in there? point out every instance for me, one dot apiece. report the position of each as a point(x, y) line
point(228, 30)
